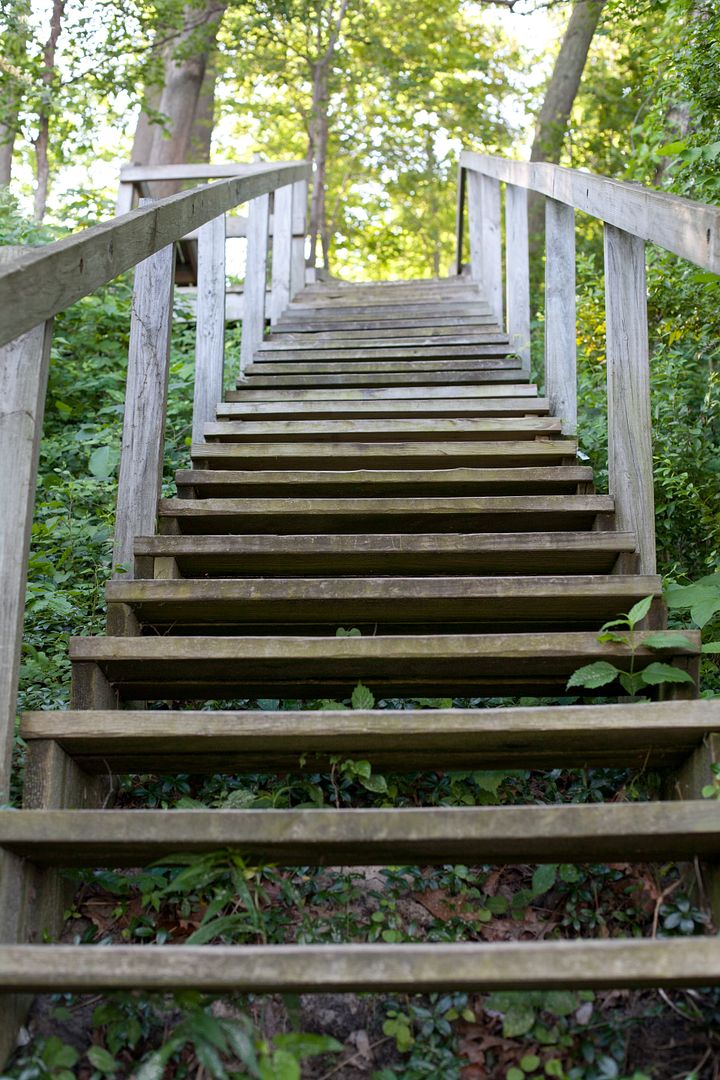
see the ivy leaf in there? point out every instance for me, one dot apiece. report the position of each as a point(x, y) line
point(658, 673)
point(544, 878)
point(593, 675)
point(374, 782)
point(362, 698)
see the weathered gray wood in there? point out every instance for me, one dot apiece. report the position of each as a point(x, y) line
point(125, 198)
point(408, 968)
point(23, 379)
point(517, 272)
point(281, 251)
point(47, 279)
point(297, 256)
point(689, 229)
point(390, 379)
point(134, 174)
point(485, 238)
point(373, 429)
point(442, 407)
point(460, 219)
point(383, 352)
point(141, 458)
point(210, 336)
point(371, 366)
point(656, 734)
point(255, 279)
point(383, 393)
point(688, 782)
point(630, 463)
point(560, 318)
point(609, 832)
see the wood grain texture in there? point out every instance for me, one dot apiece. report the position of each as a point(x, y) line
point(210, 334)
point(143, 439)
point(630, 461)
point(560, 316)
point(297, 252)
point(253, 328)
point(517, 272)
point(23, 380)
point(687, 228)
point(281, 251)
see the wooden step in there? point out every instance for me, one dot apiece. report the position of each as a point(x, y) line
point(496, 513)
point(235, 483)
point(383, 430)
point(470, 665)
point(324, 366)
point(384, 393)
point(371, 353)
point(248, 604)
point(360, 410)
point(406, 321)
point(417, 553)
point(618, 963)
point(330, 313)
point(387, 455)
point(635, 736)
point(365, 376)
point(589, 832)
point(420, 337)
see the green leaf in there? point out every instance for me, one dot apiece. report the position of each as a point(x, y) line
point(518, 1020)
point(544, 878)
point(303, 1044)
point(529, 1063)
point(632, 683)
point(593, 675)
point(514, 1073)
point(362, 698)
point(638, 611)
point(374, 782)
point(102, 1059)
point(658, 673)
point(711, 647)
point(560, 1002)
point(342, 632)
point(703, 611)
point(58, 1055)
point(672, 148)
point(102, 462)
point(668, 639)
point(490, 779)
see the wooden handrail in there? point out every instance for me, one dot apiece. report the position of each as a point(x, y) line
point(42, 281)
point(689, 229)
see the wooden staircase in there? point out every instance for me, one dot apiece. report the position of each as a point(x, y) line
point(385, 464)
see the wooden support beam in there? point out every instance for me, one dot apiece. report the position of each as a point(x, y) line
point(141, 458)
point(253, 328)
point(485, 238)
point(517, 271)
point(23, 380)
point(281, 251)
point(560, 316)
point(210, 336)
point(630, 462)
point(460, 219)
point(297, 258)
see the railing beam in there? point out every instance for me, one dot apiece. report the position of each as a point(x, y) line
point(24, 367)
point(560, 314)
point(517, 272)
point(486, 238)
point(210, 334)
point(253, 327)
point(281, 251)
point(630, 462)
point(143, 439)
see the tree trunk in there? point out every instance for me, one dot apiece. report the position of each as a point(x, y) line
point(560, 96)
point(15, 36)
point(204, 118)
point(7, 144)
point(43, 136)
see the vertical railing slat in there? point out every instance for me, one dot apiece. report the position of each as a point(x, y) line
point(281, 252)
point(517, 272)
point(560, 314)
point(299, 211)
point(24, 367)
point(630, 461)
point(486, 238)
point(143, 439)
point(210, 334)
point(253, 324)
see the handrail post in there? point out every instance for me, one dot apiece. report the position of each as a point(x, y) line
point(253, 324)
point(24, 365)
point(460, 219)
point(143, 438)
point(486, 239)
point(281, 251)
point(210, 332)
point(560, 314)
point(299, 229)
point(630, 462)
point(517, 271)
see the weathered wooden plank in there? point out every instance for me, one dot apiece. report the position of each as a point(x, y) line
point(384, 352)
point(368, 377)
point(141, 457)
point(344, 554)
point(460, 219)
point(281, 251)
point(47, 279)
point(255, 279)
point(609, 832)
point(297, 258)
point(210, 335)
point(408, 968)
point(656, 734)
point(687, 228)
point(399, 322)
point(517, 271)
point(374, 429)
point(23, 380)
point(630, 462)
point(560, 319)
point(396, 408)
point(383, 393)
point(472, 665)
point(134, 174)
point(372, 366)
point(327, 341)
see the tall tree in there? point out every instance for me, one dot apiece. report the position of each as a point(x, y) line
point(42, 139)
point(14, 16)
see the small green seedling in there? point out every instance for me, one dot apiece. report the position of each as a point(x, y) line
point(602, 672)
